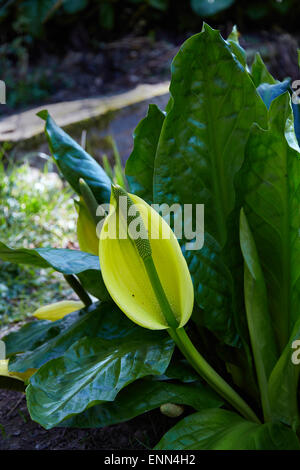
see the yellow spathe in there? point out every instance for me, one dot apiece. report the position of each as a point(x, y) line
point(86, 230)
point(58, 310)
point(126, 278)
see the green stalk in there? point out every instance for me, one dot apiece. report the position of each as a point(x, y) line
point(210, 375)
point(78, 289)
point(190, 352)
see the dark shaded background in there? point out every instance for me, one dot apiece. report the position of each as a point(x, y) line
point(54, 50)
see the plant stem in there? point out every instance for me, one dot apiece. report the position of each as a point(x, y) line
point(190, 352)
point(78, 289)
point(201, 366)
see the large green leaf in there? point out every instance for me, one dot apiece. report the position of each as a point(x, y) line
point(258, 315)
point(181, 370)
point(271, 184)
point(203, 138)
point(210, 8)
point(213, 289)
point(140, 165)
point(39, 341)
point(93, 371)
point(260, 73)
point(200, 151)
point(216, 429)
point(283, 385)
point(32, 335)
point(62, 260)
point(74, 162)
point(85, 265)
point(143, 396)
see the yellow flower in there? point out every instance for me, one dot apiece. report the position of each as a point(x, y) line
point(130, 267)
point(4, 372)
point(57, 310)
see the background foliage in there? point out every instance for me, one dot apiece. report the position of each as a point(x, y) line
point(34, 16)
point(37, 204)
point(33, 30)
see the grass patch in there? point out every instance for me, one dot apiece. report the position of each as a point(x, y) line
point(36, 210)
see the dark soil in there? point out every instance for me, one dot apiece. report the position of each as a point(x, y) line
point(79, 73)
point(19, 432)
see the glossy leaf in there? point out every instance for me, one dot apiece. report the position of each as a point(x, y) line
point(200, 151)
point(213, 289)
point(84, 265)
point(62, 260)
point(93, 371)
point(258, 316)
point(140, 165)
point(74, 162)
point(28, 337)
point(179, 369)
point(271, 186)
point(211, 92)
point(38, 342)
point(141, 397)
point(216, 429)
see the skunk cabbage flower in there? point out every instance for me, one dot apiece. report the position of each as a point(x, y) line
point(58, 310)
point(147, 276)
